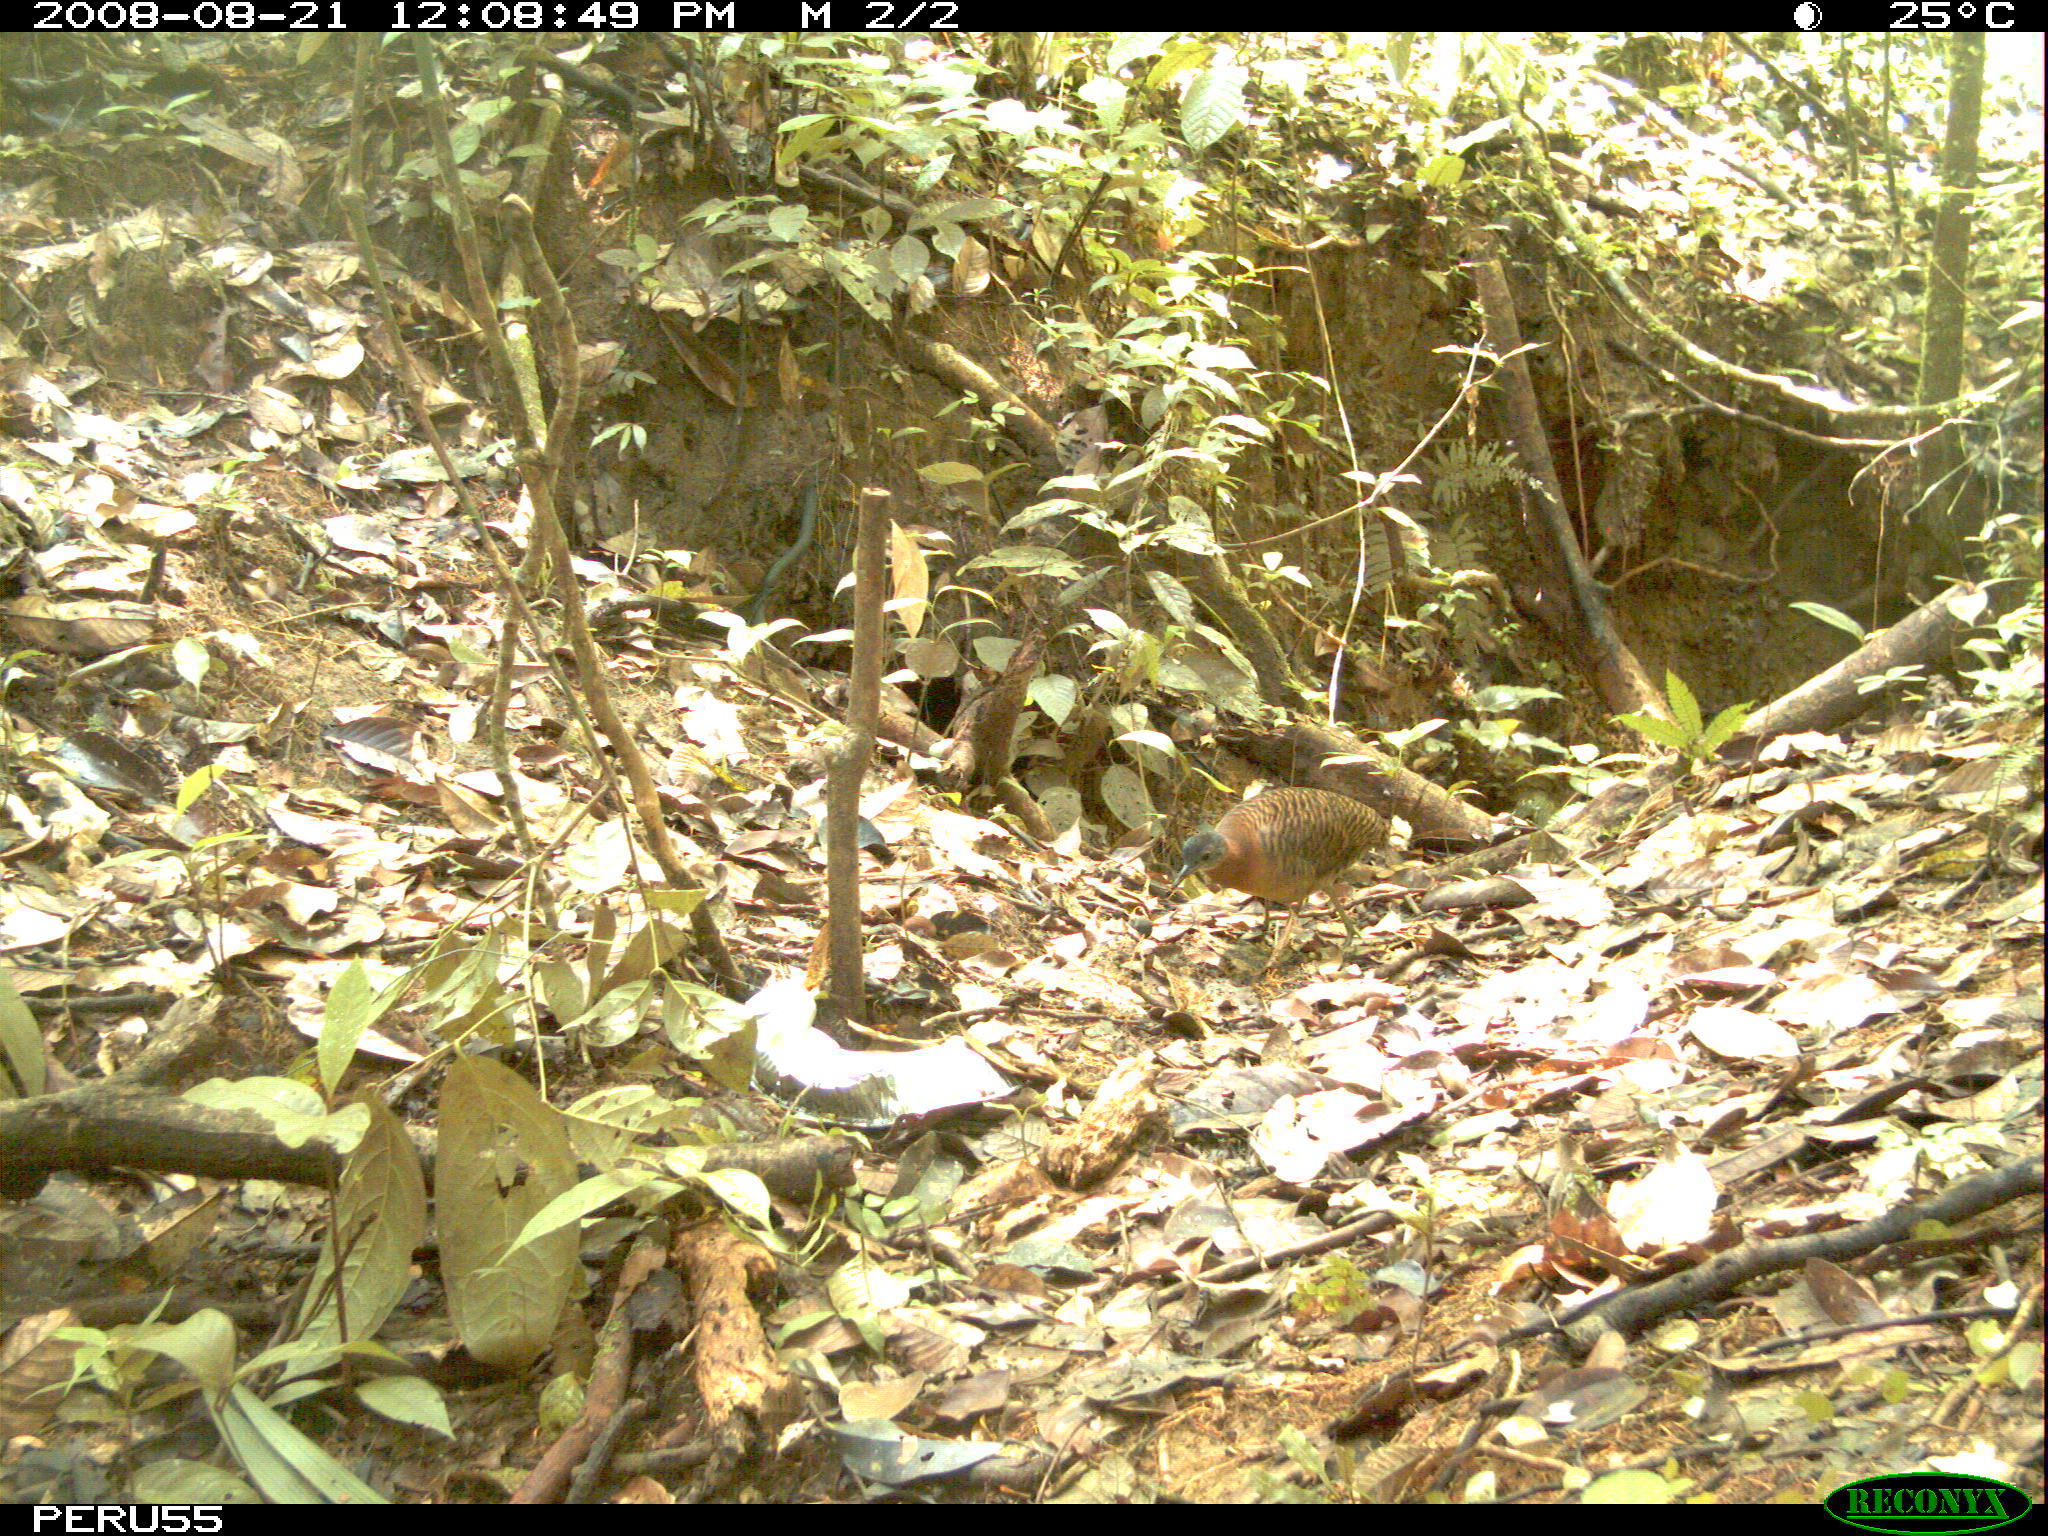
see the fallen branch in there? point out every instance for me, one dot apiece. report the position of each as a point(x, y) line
point(1836, 696)
point(1629, 1312)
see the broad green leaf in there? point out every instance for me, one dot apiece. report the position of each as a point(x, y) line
point(860, 1288)
point(1634, 1486)
point(1130, 46)
point(573, 1205)
point(1506, 698)
point(711, 1030)
point(1171, 595)
point(1407, 737)
point(1054, 696)
point(1177, 60)
point(380, 1217)
point(21, 1043)
point(197, 783)
point(203, 1343)
point(651, 948)
point(1213, 105)
point(1442, 172)
point(177, 1481)
point(504, 1155)
point(740, 1191)
point(615, 1017)
point(1400, 50)
point(408, 1400)
point(561, 987)
point(1025, 557)
point(1123, 791)
point(1039, 511)
point(597, 865)
point(285, 1466)
point(352, 1006)
point(1968, 606)
point(295, 1111)
point(908, 257)
point(191, 660)
point(1157, 741)
point(1832, 616)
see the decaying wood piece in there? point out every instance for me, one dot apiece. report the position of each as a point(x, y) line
point(1628, 1312)
point(794, 1168)
point(985, 732)
point(1579, 827)
point(97, 1127)
point(123, 1124)
point(602, 1393)
point(984, 740)
point(896, 720)
point(962, 372)
point(1297, 752)
point(849, 759)
point(899, 722)
point(1018, 801)
point(128, 1120)
point(1123, 1110)
point(746, 1397)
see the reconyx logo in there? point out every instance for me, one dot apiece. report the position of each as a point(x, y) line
point(1947, 1503)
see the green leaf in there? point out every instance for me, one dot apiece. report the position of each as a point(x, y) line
point(573, 1205)
point(1442, 171)
point(296, 1112)
point(1832, 616)
point(1725, 726)
point(352, 1006)
point(21, 1044)
point(1025, 557)
point(1157, 740)
point(860, 1288)
point(1659, 730)
point(710, 1030)
point(597, 865)
point(177, 1481)
point(203, 1343)
point(1685, 709)
point(1054, 696)
point(741, 1192)
point(408, 1400)
point(1636, 1486)
point(561, 988)
point(1213, 105)
point(504, 1155)
point(197, 783)
point(1400, 740)
point(380, 1217)
point(285, 1466)
point(1506, 698)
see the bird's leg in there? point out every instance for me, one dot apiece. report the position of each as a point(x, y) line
point(1286, 931)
